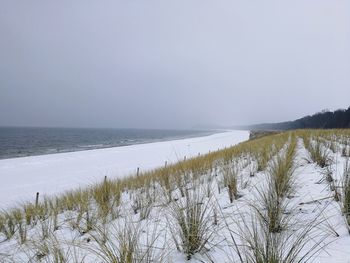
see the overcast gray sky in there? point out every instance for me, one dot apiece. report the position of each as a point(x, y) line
point(171, 63)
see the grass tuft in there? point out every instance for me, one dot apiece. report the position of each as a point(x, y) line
point(191, 222)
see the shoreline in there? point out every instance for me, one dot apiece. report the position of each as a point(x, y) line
point(55, 173)
point(78, 146)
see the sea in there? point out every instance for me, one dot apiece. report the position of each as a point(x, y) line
point(25, 141)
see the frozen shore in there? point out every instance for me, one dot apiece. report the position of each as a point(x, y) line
point(51, 174)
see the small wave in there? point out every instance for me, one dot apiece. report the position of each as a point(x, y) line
point(92, 146)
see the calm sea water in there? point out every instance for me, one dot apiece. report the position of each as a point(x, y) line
point(19, 142)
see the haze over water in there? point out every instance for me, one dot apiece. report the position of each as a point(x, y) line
point(19, 142)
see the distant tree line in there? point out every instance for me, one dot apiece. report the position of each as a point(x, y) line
point(321, 120)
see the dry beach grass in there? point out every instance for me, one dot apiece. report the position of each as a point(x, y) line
point(239, 204)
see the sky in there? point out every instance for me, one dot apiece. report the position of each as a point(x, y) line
point(171, 64)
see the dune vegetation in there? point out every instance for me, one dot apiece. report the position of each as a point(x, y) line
point(278, 198)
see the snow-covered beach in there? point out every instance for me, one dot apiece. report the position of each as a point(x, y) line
point(152, 211)
point(22, 178)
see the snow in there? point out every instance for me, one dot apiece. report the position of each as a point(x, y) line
point(51, 174)
point(312, 201)
point(314, 195)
